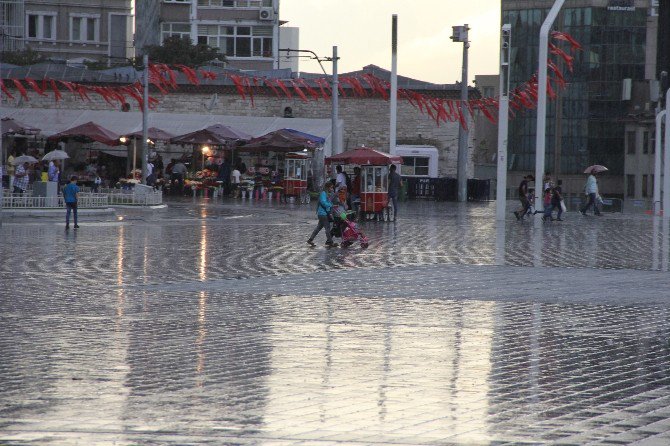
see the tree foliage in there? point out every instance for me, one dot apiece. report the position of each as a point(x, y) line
point(23, 57)
point(181, 50)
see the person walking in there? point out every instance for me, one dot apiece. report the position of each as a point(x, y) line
point(70, 196)
point(235, 176)
point(591, 190)
point(523, 197)
point(323, 210)
point(395, 183)
point(11, 169)
point(21, 178)
point(177, 176)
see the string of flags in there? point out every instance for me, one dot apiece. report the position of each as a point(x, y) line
point(164, 79)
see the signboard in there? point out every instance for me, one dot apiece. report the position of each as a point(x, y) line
point(621, 5)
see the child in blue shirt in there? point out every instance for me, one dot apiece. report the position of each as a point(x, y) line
point(70, 195)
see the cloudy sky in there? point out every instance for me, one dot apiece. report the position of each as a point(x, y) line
point(362, 31)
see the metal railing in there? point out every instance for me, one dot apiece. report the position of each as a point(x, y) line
point(85, 201)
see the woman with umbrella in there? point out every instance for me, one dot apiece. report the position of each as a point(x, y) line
point(591, 189)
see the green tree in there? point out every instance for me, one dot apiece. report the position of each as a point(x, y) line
point(180, 50)
point(23, 57)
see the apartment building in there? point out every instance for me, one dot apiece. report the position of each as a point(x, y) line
point(246, 31)
point(98, 30)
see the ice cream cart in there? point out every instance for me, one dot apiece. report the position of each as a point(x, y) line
point(374, 200)
point(295, 177)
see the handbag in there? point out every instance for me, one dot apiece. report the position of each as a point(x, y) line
point(563, 207)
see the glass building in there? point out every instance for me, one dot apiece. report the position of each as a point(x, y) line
point(584, 124)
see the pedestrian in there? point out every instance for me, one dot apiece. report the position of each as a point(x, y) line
point(224, 175)
point(236, 175)
point(53, 172)
point(340, 178)
point(70, 196)
point(97, 181)
point(557, 202)
point(591, 190)
point(21, 178)
point(546, 203)
point(356, 189)
point(151, 178)
point(323, 212)
point(523, 197)
point(11, 169)
point(395, 183)
point(177, 175)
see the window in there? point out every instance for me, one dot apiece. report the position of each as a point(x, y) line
point(414, 166)
point(645, 142)
point(175, 30)
point(488, 92)
point(238, 41)
point(645, 180)
point(652, 142)
point(236, 3)
point(630, 142)
point(41, 25)
point(630, 186)
point(84, 28)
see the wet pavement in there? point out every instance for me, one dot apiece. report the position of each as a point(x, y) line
point(214, 323)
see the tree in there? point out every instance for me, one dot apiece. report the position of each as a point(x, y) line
point(23, 57)
point(180, 50)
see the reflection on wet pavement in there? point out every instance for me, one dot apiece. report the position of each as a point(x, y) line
point(209, 323)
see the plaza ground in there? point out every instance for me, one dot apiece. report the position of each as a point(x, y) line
point(212, 322)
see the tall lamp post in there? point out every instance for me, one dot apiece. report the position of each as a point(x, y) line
point(460, 34)
point(503, 120)
point(541, 132)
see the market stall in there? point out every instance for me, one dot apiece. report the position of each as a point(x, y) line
point(374, 200)
point(283, 159)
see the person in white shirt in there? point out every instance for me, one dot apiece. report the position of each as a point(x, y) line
point(340, 179)
point(235, 177)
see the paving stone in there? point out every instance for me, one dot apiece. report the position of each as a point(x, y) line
point(214, 323)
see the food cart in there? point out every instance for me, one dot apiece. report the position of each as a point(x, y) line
point(374, 200)
point(295, 177)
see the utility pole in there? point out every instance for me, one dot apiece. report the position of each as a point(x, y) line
point(460, 34)
point(503, 121)
point(145, 119)
point(336, 105)
point(393, 125)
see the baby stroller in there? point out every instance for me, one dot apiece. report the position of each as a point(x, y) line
point(346, 228)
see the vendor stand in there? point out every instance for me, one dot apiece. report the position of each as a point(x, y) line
point(290, 149)
point(295, 177)
point(374, 200)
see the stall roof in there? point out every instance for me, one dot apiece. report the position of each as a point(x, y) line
point(364, 156)
point(284, 140)
point(89, 130)
point(52, 121)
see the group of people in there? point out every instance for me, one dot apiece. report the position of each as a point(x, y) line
point(344, 191)
point(552, 198)
point(23, 174)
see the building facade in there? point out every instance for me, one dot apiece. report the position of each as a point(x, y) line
point(246, 31)
point(586, 123)
point(94, 30)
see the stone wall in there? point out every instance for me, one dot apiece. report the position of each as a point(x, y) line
point(366, 120)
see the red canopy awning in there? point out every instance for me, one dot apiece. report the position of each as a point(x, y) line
point(216, 135)
point(283, 140)
point(11, 126)
point(153, 133)
point(89, 131)
point(364, 156)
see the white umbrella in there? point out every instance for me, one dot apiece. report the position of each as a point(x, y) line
point(24, 159)
point(55, 155)
point(596, 168)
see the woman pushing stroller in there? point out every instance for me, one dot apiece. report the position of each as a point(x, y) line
point(323, 212)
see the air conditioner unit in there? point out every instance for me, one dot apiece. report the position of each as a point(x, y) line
point(266, 14)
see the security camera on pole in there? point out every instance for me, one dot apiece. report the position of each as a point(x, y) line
point(460, 34)
point(503, 120)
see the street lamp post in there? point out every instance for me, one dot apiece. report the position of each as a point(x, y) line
point(541, 132)
point(460, 34)
point(503, 120)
